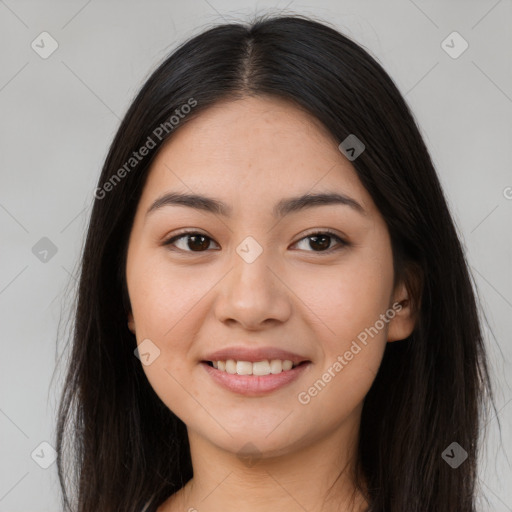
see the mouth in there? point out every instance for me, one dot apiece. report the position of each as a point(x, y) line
point(256, 368)
point(254, 378)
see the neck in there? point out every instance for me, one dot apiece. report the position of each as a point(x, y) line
point(317, 477)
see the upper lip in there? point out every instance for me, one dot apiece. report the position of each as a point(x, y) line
point(254, 354)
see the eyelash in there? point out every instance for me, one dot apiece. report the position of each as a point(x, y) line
point(184, 234)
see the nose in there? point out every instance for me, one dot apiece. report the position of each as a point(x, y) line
point(253, 295)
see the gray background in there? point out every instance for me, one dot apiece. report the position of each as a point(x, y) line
point(58, 117)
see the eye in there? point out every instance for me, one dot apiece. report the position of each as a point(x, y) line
point(322, 241)
point(196, 241)
point(199, 242)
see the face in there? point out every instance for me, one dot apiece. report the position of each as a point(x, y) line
point(252, 282)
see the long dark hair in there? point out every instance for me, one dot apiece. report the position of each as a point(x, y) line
point(431, 389)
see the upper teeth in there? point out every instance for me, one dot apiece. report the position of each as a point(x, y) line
point(265, 367)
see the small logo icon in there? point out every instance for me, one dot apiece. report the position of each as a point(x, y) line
point(147, 352)
point(44, 45)
point(44, 250)
point(454, 455)
point(249, 454)
point(44, 455)
point(249, 249)
point(351, 147)
point(454, 45)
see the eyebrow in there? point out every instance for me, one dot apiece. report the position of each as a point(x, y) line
point(281, 209)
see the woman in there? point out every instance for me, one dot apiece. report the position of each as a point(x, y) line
point(274, 308)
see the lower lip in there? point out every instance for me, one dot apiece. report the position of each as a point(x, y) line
point(252, 385)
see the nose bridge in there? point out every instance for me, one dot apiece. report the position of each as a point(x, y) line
point(252, 293)
point(251, 273)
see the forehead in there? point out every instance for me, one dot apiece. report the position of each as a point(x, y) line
point(256, 147)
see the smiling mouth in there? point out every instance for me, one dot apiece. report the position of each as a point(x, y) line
point(257, 368)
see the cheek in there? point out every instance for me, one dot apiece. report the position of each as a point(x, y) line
point(348, 298)
point(164, 298)
point(168, 304)
point(360, 296)
point(353, 334)
point(354, 303)
point(350, 360)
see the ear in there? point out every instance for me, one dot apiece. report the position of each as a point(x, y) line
point(131, 322)
point(406, 306)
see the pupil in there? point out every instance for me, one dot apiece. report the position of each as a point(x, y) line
point(204, 245)
point(325, 238)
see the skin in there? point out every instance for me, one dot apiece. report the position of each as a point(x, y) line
point(251, 153)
